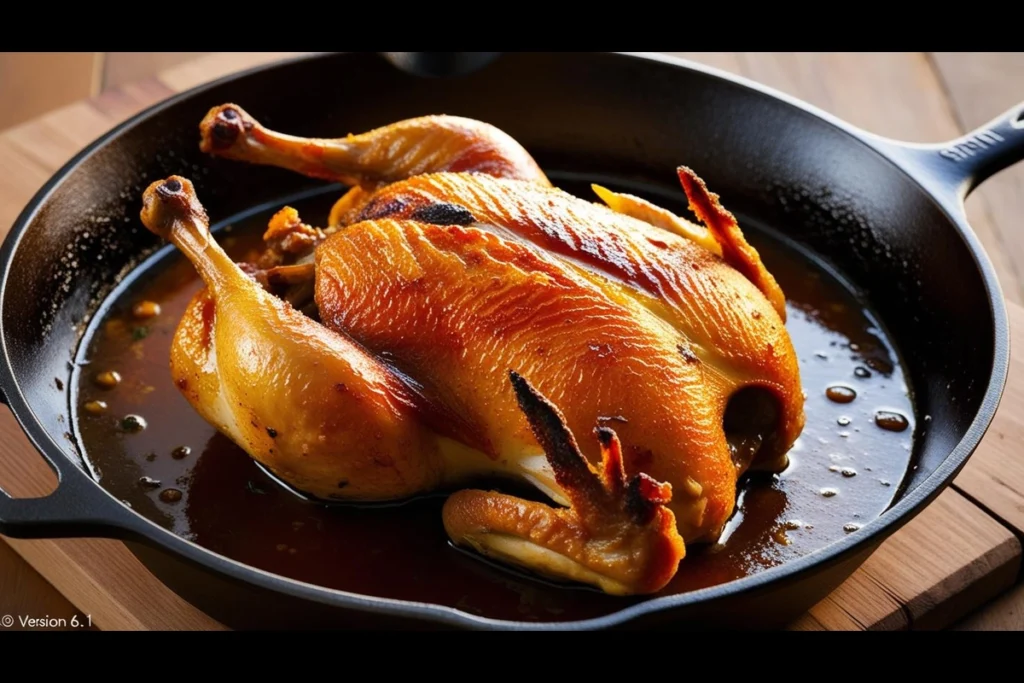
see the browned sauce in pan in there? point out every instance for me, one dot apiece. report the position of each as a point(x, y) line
point(146, 445)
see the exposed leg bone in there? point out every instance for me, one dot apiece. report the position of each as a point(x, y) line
point(407, 148)
point(618, 535)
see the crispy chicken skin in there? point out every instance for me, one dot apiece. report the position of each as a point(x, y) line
point(467, 320)
point(732, 323)
point(465, 306)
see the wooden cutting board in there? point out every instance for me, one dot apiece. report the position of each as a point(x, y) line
point(956, 555)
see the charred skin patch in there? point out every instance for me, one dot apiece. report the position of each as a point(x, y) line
point(643, 496)
point(416, 209)
point(549, 427)
point(443, 214)
point(382, 207)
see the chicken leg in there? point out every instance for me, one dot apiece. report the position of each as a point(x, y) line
point(304, 401)
point(373, 159)
point(367, 161)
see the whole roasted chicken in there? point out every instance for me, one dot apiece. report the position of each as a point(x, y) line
point(459, 320)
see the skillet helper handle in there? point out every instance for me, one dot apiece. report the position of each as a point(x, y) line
point(439, 64)
point(968, 161)
point(77, 508)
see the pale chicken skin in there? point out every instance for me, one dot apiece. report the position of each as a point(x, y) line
point(459, 319)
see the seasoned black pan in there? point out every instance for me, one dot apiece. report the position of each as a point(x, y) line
point(631, 117)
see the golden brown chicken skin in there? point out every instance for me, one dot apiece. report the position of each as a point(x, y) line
point(499, 328)
point(732, 322)
point(464, 307)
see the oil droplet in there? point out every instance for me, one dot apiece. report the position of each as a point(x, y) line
point(146, 309)
point(843, 421)
point(840, 393)
point(149, 482)
point(849, 472)
point(95, 407)
point(181, 452)
point(281, 547)
point(170, 495)
point(828, 492)
point(861, 372)
point(851, 527)
point(834, 468)
point(780, 537)
point(108, 380)
point(890, 421)
point(133, 424)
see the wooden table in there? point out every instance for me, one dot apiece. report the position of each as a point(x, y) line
point(955, 557)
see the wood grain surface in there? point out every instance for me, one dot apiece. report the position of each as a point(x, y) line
point(958, 554)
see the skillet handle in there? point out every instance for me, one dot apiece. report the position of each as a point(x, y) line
point(77, 508)
point(963, 164)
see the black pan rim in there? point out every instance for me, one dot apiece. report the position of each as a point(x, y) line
point(870, 534)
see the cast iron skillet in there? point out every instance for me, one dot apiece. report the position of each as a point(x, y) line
point(888, 215)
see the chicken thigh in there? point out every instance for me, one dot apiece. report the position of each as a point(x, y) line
point(469, 321)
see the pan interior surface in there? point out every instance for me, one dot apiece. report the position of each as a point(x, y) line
point(772, 163)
